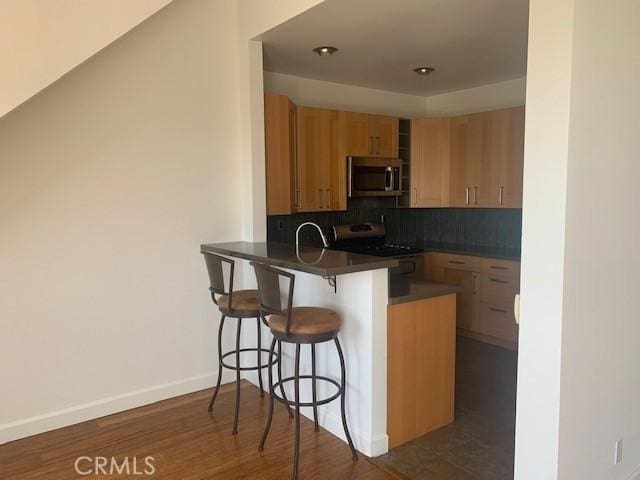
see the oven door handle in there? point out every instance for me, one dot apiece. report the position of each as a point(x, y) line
point(408, 262)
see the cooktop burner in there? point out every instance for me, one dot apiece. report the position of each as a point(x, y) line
point(368, 239)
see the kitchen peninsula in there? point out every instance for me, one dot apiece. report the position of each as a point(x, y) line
point(361, 295)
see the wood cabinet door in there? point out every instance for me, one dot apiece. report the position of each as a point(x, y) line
point(488, 127)
point(465, 299)
point(499, 322)
point(280, 153)
point(310, 168)
point(421, 341)
point(359, 140)
point(384, 135)
point(465, 143)
point(430, 167)
point(511, 158)
point(333, 144)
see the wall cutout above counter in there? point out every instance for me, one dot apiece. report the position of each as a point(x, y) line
point(469, 161)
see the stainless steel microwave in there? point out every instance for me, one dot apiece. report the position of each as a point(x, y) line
point(374, 177)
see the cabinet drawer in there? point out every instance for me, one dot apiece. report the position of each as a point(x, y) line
point(500, 267)
point(497, 321)
point(498, 289)
point(461, 262)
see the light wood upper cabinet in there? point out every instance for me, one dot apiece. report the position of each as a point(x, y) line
point(280, 154)
point(512, 158)
point(321, 160)
point(430, 154)
point(487, 151)
point(309, 160)
point(359, 142)
point(371, 135)
point(464, 155)
point(384, 135)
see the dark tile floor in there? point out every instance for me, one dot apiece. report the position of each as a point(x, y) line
point(479, 445)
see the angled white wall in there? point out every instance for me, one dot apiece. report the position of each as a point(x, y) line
point(40, 41)
point(109, 182)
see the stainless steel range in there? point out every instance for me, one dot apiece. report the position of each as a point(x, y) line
point(369, 239)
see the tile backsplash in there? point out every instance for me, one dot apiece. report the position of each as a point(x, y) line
point(468, 227)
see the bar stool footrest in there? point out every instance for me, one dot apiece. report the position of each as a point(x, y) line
point(274, 359)
point(323, 401)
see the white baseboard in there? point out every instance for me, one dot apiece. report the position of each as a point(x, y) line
point(105, 406)
point(369, 446)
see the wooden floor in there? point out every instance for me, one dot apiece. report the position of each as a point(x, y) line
point(187, 442)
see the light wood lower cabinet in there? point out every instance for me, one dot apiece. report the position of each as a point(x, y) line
point(421, 340)
point(485, 305)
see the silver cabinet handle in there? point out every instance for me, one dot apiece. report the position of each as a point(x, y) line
point(415, 197)
point(494, 309)
point(497, 280)
point(328, 198)
point(298, 198)
point(466, 194)
point(473, 285)
point(475, 195)
point(500, 195)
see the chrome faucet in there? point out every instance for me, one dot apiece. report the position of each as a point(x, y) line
point(324, 238)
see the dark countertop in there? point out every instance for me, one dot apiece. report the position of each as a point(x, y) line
point(474, 250)
point(309, 260)
point(412, 290)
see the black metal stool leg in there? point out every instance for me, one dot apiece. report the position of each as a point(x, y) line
point(271, 400)
point(260, 358)
point(296, 448)
point(343, 386)
point(284, 395)
point(220, 367)
point(313, 387)
point(235, 420)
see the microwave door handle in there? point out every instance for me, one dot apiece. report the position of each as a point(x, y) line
point(388, 179)
point(350, 176)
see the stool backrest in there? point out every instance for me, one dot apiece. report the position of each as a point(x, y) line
point(216, 275)
point(271, 303)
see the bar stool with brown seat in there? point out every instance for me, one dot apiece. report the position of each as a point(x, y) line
point(298, 326)
point(240, 304)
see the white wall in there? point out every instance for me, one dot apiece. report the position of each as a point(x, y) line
point(543, 221)
point(578, 383)
point(318, 93)
point(510, 93)
point(109, 182)
point(600, 382)
point(40, 41)
point(256, 17)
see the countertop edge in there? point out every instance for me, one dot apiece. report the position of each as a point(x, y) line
point(379, 263)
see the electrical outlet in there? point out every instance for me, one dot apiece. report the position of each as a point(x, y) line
point(280, 225)
point(618, 453)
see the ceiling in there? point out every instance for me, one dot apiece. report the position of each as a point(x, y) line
point(468, 42)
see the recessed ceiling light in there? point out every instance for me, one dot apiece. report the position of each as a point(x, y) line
point(423, 70)
point(325, 51)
